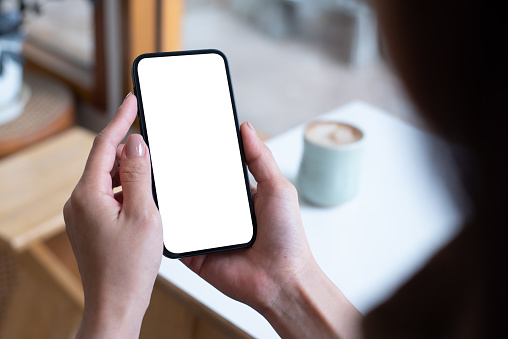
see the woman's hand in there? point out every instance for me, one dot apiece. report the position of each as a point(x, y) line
point(116, 238)
point(117, 241)
point(256, 275)
point(278, 275)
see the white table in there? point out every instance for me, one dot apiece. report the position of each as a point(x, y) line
point(372, 244)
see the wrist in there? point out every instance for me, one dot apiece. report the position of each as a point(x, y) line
point(291, 290)
point(112, 318)
point(275, 291)
point(310, 305)
point(272, 290)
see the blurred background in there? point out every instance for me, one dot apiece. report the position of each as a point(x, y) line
point(66, 63)
point(290, 59)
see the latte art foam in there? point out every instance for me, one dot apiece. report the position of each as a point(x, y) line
point(332, 134)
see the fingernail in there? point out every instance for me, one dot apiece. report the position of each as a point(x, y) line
point(251, 127)
point(127, 96)
point(135, 146)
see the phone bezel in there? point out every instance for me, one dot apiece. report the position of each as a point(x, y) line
point(144, 133)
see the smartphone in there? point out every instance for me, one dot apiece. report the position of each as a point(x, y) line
point(188, 119)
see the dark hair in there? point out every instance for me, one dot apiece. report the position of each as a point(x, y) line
point(449, 55)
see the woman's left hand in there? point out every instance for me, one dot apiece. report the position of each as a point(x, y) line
point(116, 238)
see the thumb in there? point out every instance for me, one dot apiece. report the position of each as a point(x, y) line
point(136, 177)
point(259, 158)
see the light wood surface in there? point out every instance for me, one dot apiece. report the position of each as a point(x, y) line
point(35, 184)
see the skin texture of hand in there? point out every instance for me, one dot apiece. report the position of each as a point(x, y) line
point(278, 275)
point(256, 275)
point(117, 241)
point(116, 238)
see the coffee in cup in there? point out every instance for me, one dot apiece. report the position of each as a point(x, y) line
point(331, 162)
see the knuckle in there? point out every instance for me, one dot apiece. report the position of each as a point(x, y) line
point(98, 139)
point(77, 199)
point(68, 229)
point(286, 187)
point(146, 217)
point(267, 153)
point(76, 196)
point(66, 209)
point(134, 172)
point(101, 138)
point(67, 215)
point(291, 189)
point(151, 218)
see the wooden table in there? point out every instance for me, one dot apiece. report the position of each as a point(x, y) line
point(40, 287)
point(35, 184)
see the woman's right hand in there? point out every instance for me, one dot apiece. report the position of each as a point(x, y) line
point(278, 275)
point(256, 275)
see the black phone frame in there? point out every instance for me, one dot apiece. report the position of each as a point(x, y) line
point(144, 133)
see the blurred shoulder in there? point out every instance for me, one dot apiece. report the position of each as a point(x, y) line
point(446, 299)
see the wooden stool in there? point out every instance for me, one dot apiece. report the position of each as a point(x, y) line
point(49, 111)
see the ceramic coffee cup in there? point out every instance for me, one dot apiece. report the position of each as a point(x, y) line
point(331, 163)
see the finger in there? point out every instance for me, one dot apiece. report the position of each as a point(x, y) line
point(195, 262)
point(136, 177)
point(102, 156)
point(259, 158)
point(115, 178)
point(253, 189)
point(119, 150)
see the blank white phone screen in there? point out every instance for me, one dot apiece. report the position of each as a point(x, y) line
point(196, 160)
